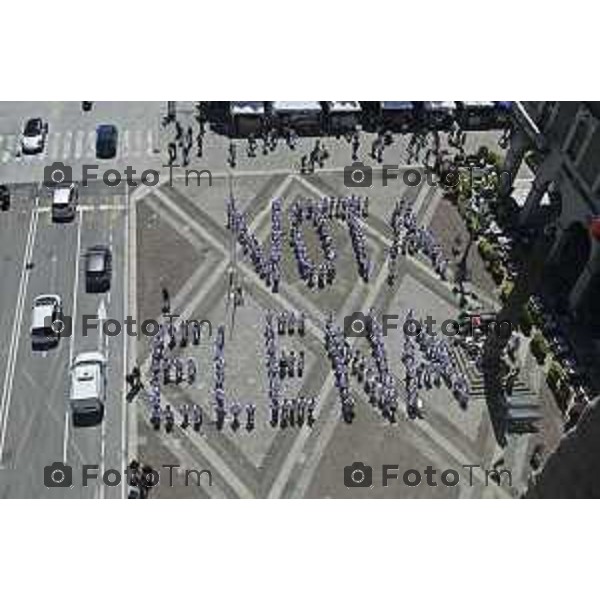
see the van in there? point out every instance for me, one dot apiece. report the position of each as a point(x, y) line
point(64, 203)
point(88, 388)
point(46, 311)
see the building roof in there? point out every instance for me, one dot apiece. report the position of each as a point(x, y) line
point(344, 106)
point(478, 103)
point(247, 108)
point(397, 105)
point(289, 106)
point(439, 105)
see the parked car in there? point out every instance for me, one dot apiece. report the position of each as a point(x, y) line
point(33, 139)
point(4, 197)
point(64, 203)
point(46, 311)
point(98, 269)
point(107, 138)
point(88, 388)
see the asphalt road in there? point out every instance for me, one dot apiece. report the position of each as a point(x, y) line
point(35, 422)
point(72, 136)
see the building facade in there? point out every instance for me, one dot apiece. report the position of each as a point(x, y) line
point(563, 139)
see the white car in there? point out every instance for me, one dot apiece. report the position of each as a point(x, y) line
point(45, 319)
point(34, 136)
point(88, 388)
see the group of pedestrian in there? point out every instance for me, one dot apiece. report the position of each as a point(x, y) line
point(295, 410)
point(184, 139)
point(339, 353)
point(317, 157)
point(359, 245)
point(411, 238)
point(140, 480)
point(383, 139)
point(321, 213)
point(291, 364)
point(288, 322)
point(315, 275)
point(429, 362)
point(222, 409)
point(267, 265)
point(291, 412)
point(166, 369)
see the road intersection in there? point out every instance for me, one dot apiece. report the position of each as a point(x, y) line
point(173, 235)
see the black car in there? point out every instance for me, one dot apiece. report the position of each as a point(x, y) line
point(4, 198)
point(98, 269)
point(107, 138)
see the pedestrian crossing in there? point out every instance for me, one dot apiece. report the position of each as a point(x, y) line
point(80, 144)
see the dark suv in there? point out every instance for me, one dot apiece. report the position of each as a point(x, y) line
point(98, 269)
point(4, 198)
point(106, 141)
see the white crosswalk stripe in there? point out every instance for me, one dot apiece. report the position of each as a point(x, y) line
point(2, 150)
point(80, 144)
point(124, 151)
point(150, 144)
point(90, 144)
point(67, 140)
point(54, 138)
point(138, 144)
point(8, 148)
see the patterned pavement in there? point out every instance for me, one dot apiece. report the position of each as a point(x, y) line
point(182, 243)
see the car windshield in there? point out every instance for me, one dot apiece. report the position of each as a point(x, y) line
point(95, 262)
point(106, 131)
point(43, 332)
point(44, 301)
point(33, 127)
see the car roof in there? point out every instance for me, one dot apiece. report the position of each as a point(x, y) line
point(61, 195)
point(96, 259)
point(40, 314)
point(47, 299)
point(106, 130)
point(86, 380)
point(34, 122)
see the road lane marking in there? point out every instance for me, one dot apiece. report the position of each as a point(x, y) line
point(9, 149)
point(128, 422)
point(125, 144)
point(66, 437)
point(102, 455)
point(68, 137)
point(16, 331)
point(73, 332)
point(79, 142)
point(90, 145)
point(150, 143)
